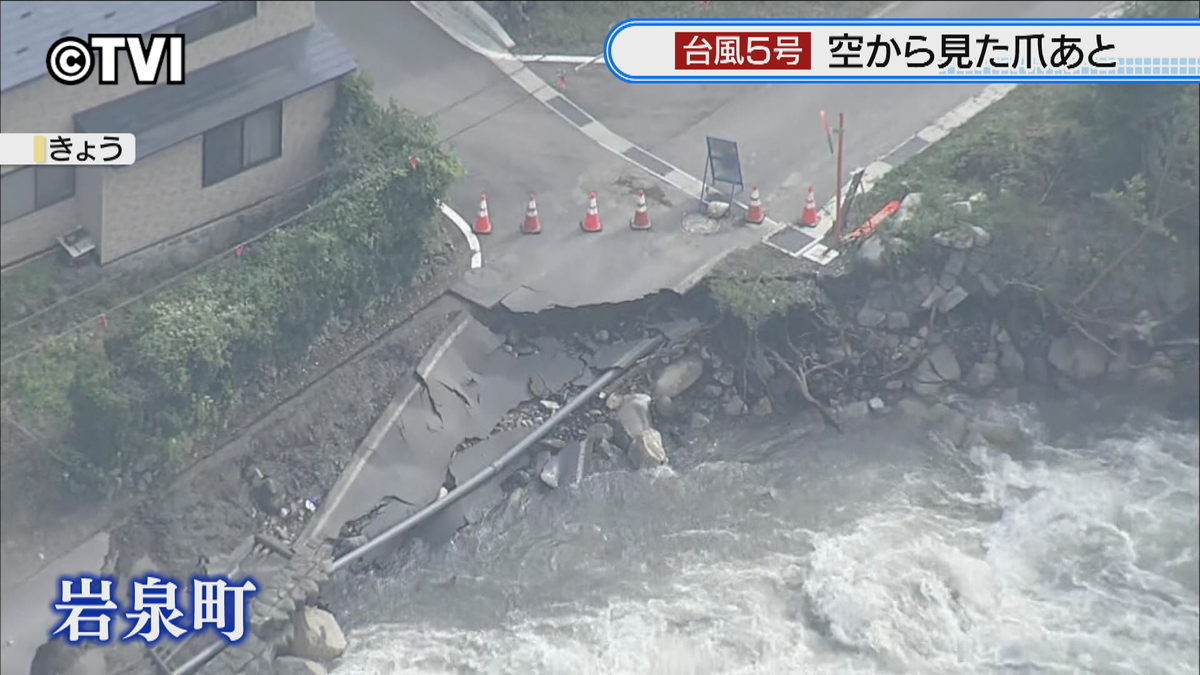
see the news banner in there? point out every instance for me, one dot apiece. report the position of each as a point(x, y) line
point(51, 149)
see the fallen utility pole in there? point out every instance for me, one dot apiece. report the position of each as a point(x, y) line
point(497, 466)
point(429, 511)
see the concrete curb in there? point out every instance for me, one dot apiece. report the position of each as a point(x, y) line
point(467, 232)
point(489, 23)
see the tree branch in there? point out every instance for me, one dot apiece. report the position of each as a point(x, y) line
point(802, 384)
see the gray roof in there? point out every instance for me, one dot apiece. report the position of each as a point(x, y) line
point(28, 28)
point(165, 115)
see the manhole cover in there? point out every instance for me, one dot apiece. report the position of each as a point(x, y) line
point(697, 223)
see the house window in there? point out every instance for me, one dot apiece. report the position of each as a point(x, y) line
point(227, 14)
point(34, 188)
point(243, 144)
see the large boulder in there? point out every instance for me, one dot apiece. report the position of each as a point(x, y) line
point(935, 370)
point(317, 635)
point(679, 376)
point(981, 376)
point(1006, 435)
point(950, 424)
point(872, 254)
point(1012, 364)
point(633, 417)
point(1078, 359)
point(647, 450)
point(291, 665)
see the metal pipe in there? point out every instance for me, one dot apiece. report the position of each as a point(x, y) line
point(205, 655)
point(498, 465)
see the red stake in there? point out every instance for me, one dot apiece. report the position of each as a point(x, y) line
point(103, 322)
point(412, 161)
point(562, 81)
point(238, 251)
point(704, 5)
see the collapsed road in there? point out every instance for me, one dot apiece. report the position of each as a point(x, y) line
point(450, 430)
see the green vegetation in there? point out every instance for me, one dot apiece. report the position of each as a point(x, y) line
point(757, 285)
point(551, 26)
point(1091, 193)
point(192, 354)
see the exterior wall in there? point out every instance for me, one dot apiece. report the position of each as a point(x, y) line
point(47, 106)
point(163, 195)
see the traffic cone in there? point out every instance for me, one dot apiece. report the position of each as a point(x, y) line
point(755, 213)
point(532, 224)
point(591, 222)
point(810, 209)
point(483, 224)
point(641, 217)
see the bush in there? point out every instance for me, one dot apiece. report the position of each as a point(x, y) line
point(190, 356)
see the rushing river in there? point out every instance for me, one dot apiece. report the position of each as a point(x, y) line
point(769, 551)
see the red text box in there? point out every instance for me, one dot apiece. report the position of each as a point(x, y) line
point(743, 51)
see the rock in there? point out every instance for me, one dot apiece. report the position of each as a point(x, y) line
point(944, 240)
point(713, 391)
point(978, 198)
point(914, 410)
point(735, 406)
point(954, 263)
point(554, 445)
point(962, 208)
point(1160, 375)
point(976, 260)
point(679, 376)
point(698, 421)
point(854, 413)
point(599, 431)
point(944, 363)
point(268, 496)
point(526, 350)
point(1078, 359)
point(317, 636)
point(666, 408)
point(538, 387)
point(1005, 435)
point(988, 286)
point(908, 207)
point(549, 472)
point(894, 385)
point(947, 281)
point(950, 424)
point(762, 407)
point(991, 356)
point(725, 377)
point(1037, 370)
point(1011, 363)
point(935, 296)
point(647, 450)
point(953, 298)
point(897, 321)
point(1002, 336)
point(602, 336)
point(551, 405)
point(982, 236)
point(876, 405)
point(634, 415)
point(870, 318)
point(872, 254)
point(980, 376)
point(292, 665)
point(614, 402)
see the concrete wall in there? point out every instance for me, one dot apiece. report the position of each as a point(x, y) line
point(47, 106)
point(164, 196)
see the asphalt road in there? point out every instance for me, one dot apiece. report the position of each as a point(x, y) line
point(512, 145)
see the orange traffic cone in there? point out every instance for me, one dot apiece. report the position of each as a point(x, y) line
point(810, 209)
point(755, 213)
point(591, 222)
point(483, 224)
point(641, 216)
point(532, 224)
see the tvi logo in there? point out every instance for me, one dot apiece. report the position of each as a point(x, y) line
point(71, 59)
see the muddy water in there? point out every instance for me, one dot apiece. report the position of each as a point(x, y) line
point(772, 551)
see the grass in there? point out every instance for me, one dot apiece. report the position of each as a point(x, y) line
point(580, 28)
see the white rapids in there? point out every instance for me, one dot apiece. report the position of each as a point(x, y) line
point(770, 553)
